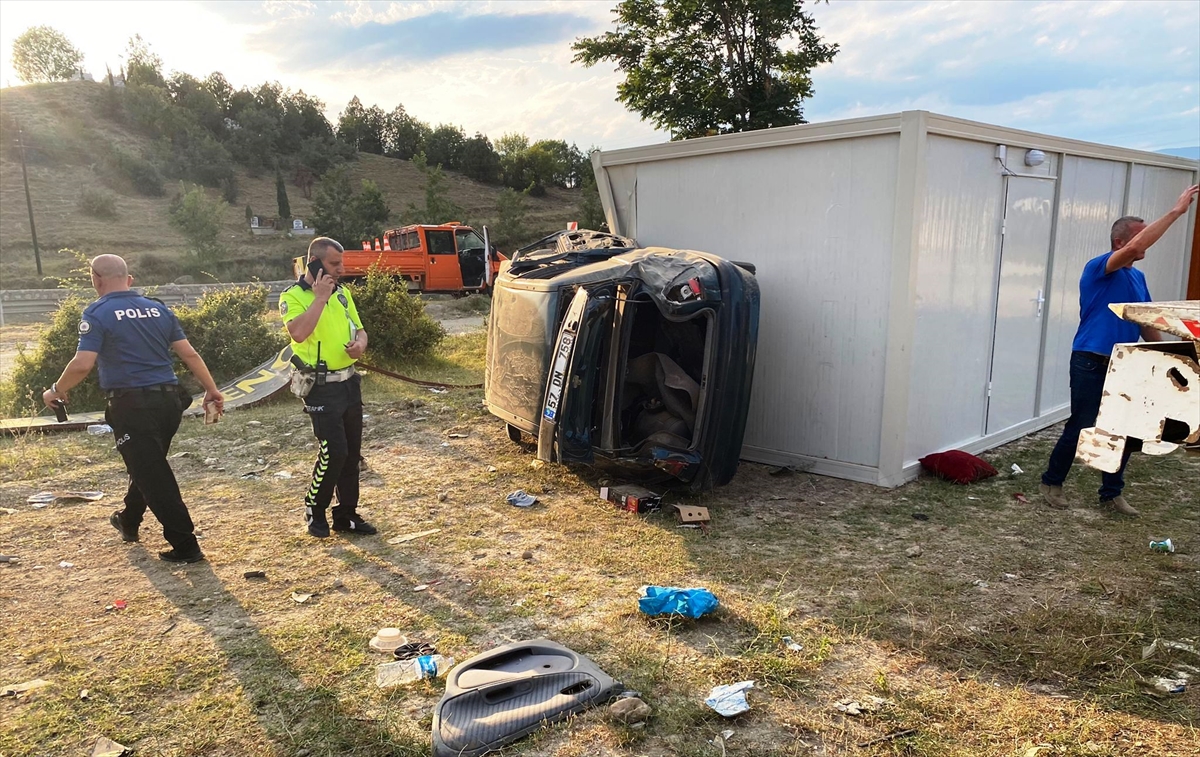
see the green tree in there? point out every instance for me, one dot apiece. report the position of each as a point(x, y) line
point(510, 230)
point(333, 208)
point(479, 161)
point(699, 67)
point(370, 210)
point(142, 66)
point(42, 53)
point(443, 147)
point(199, 218)
point(591, 212)
point(439, 208)
point(281, 198)
point(405, 136)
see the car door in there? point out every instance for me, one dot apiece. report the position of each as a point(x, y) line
point(444, 274)
point(577, 372)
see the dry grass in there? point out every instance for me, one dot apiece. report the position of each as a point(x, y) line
point(70, 114)
point(204, 662)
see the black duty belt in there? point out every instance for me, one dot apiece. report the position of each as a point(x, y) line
point(111, 393)
point(1097, 357)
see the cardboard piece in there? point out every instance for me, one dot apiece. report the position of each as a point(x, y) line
point(692, 514)
point(632, 499)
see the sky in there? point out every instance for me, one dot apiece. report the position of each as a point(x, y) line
point(1122, 73)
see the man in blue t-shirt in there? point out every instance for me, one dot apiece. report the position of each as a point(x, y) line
point(1108, 279)
point(131, 338)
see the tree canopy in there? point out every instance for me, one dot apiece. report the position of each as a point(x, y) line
point(42, 53)
point(701, 67)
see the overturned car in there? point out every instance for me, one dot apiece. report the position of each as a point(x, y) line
point(638, 361)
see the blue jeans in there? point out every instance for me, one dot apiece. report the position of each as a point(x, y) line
point(1087, 386)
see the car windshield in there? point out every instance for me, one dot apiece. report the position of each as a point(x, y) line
point(468, 240)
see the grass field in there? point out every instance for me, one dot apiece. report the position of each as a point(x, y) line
point(1018, 631)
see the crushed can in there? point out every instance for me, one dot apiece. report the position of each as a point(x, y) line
point(1164, 546)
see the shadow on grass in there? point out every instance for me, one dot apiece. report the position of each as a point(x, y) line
point(293, 716)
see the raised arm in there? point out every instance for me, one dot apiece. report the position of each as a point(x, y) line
point(1136, 248)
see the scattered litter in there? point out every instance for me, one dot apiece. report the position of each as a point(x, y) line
point(413, 536)
point(980, 583)
point(1181, 647)
point(671, 600)
point(255, 424)
point(8, 510)
point(9, 559)
point(1021, 498)
point(1011, 577)
point(689, 515)
point(457, 436)
point(17, 689)
point(420, 587)
point(445, 444)
point(106, 747)
point(1165, 546)
point(99, 429)
point(41, 499)
point(281, 474)
point(442, 496)
point(633, 499)
point(436, 390)
point(406, 671)
point(973, 499)
point(792, 645)
point(300, 597)
point(255, 574)
point(730, 699)
point(411, 649)
point(913, 551)
point(721, 739)
point(1016, 469)
point(211, 461)
point(920, 516)
point(84, 695)
point(858, 707)
point(421, 418)
point(178, 455)
point(783, 470)
point(387, 640)
point(537, 464)
point(1149, 650)
point(630, 710)
point(491, 469)
point(65, 564)
point(520, 499)
point(1169, 685)
point(119, 604)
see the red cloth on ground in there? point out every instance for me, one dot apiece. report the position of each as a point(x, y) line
point(957, 466)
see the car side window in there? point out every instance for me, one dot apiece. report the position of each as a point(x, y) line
point(440, 242)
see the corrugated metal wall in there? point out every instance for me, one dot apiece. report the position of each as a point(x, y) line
point(1153, 190)
point(954, 303)
point(816, 219)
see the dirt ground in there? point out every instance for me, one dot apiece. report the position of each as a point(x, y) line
point(1017, 630)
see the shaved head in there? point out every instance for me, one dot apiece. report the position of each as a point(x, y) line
point(321, 247)
point(109, 267)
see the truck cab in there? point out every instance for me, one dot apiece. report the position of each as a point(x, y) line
point(442, 258)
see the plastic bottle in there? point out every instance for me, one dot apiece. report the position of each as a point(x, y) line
point(99, 429)
point(407, 671)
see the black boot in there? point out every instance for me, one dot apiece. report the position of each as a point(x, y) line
point(127, 534)
point(353, 524)
point(318, 526)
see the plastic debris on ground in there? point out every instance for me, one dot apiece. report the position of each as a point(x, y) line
point(106, 747)
point(730, 699)
point(65, 564)
point(1016, 470)
point(791, 644)
point(520, 499)
point(1021, 498)
point(301, 597)
point(913, 551)
point(404, 538)
point(632, 499)
point(411, 649)
point(99, 429)
point(1166, 546)
point(630, 710)
point(1170, 685)
point(281, 474)
point(671, 600)
point(386, 640)
point(857, 707)
point(41, 499)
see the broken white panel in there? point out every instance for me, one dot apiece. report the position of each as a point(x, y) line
point(1146, 384)
point(1181, 318)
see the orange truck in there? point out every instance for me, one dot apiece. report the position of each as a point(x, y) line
point(444, 258)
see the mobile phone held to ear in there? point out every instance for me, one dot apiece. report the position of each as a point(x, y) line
point(315, 267)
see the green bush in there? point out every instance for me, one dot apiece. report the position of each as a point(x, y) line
point(395, 320)
point(199, 218)
point(36, 369)
point(142, 173)
point(227, 328)
point(98, 204)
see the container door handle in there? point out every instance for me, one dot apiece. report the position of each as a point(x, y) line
point(1040, 300)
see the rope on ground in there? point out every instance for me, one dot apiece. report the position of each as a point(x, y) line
point(418, 382)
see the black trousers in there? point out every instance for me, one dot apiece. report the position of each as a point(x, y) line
point(144, 424)
point(336, 413)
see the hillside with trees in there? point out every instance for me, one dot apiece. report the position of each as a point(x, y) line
point(168, 169)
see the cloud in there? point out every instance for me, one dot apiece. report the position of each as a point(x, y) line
point(352, 36)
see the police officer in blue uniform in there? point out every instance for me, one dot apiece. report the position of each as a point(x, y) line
point(130, 338)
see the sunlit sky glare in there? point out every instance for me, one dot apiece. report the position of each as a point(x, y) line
point(1124, 73)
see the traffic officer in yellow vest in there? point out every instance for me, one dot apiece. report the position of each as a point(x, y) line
point(327, 338)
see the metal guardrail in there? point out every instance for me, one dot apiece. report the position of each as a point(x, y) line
point(27, 302)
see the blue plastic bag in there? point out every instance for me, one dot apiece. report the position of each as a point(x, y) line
point(670, 600)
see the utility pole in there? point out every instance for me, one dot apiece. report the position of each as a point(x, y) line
point(37, 255)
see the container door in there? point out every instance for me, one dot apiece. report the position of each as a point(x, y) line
point(1020, 300)
point(444, 275)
